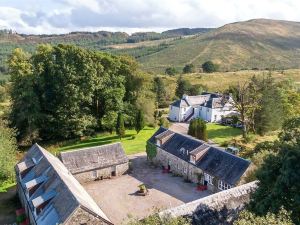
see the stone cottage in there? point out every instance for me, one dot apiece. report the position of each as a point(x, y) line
point(95, 163)
point(51, 195)
point(198, 161)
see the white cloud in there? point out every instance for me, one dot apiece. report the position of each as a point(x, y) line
point(60, 16)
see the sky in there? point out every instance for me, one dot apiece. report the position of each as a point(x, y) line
point(63, 16)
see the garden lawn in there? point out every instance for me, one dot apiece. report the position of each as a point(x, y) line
point(132, 142)
point(220, 134)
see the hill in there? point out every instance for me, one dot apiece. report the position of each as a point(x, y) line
point(101, 40)
point(252, 44)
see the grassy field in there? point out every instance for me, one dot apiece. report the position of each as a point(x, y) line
point(132, 142)
point(220, 134)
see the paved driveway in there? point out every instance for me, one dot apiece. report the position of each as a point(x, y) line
point(117, 197)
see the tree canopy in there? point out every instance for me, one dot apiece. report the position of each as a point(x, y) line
point(197, 128)
point(279, 176)
point(188, 68)
point(65, 91)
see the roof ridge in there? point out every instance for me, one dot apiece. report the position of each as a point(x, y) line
point(98, 146)
point(58, 173)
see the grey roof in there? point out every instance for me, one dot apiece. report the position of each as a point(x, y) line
point(214, 161)
point(180, 103)
point(64, 192)
point(206, 99)
point(86, 159)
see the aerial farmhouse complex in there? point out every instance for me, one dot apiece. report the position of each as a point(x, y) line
point(197, 161)
point(210, 107)
point(96, 162)
point(72, 188)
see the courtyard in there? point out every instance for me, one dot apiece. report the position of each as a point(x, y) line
point(118, 199)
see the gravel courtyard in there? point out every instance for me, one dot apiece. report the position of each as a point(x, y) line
point(117, 197)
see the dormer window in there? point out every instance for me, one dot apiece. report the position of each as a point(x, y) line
point(41, 202)
point(193, 159)
point(158, 142)
point(33, 185)
point(182, 151)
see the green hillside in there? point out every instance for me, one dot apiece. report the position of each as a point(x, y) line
point(244, 45)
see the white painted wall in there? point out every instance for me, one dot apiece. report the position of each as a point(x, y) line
point(174, 113)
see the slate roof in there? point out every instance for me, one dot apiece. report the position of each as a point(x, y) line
point(64, 192)
point(180, 103)
point(215, 161)
point(87, 159)
point(206, 99)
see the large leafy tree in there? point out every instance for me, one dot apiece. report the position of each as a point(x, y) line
point(279, 176)
point(25, 109)
point(209, 67)
point(65, 91)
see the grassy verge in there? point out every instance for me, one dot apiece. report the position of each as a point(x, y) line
point(220, 134)
point(132, 142)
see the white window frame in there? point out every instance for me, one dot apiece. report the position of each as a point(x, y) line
point(208, 178)
point(223, 186)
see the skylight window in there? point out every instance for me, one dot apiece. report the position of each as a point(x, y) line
point(41, 202)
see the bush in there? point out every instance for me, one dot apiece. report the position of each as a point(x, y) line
point(209, 67)
point(170, 71)
point(188, 68)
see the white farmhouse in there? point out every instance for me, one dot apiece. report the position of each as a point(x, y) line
point(210, 107)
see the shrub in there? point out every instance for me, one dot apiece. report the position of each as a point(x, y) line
point(209, 67)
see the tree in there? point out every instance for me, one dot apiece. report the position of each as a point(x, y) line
point(209, 67)
point(182, 88)
point(188, 68)
point(120, 128)
point(249, 218)
point(279, 176)
point(198, 129)
point(160, 91)
point(170, 71)
point(25, 108)
point(139, 121)
point(245, 102)
point(8, 147)
point(268, 116)
point(71, 92)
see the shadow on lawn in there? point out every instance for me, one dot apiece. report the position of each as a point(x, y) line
point(95, 142)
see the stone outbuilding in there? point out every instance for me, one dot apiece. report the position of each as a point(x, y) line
point(51, 195)
point(198, 161)
point(96, 163)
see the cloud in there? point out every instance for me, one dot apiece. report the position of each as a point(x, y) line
point(60, 16)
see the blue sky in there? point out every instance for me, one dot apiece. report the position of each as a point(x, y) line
point(62, 16)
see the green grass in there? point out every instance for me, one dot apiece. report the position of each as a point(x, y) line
point(132, 142)
point(6, 185)
point(220, 134)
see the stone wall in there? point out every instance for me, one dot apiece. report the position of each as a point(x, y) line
point(101, 173)
point(80, 216)
point(182, 168)
point(220, 208)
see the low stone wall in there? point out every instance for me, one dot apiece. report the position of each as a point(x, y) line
point(224, 205)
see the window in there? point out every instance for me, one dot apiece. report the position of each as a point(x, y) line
point(223, 186)
point(182, 151)
point(208, 178)
point(94, 174)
